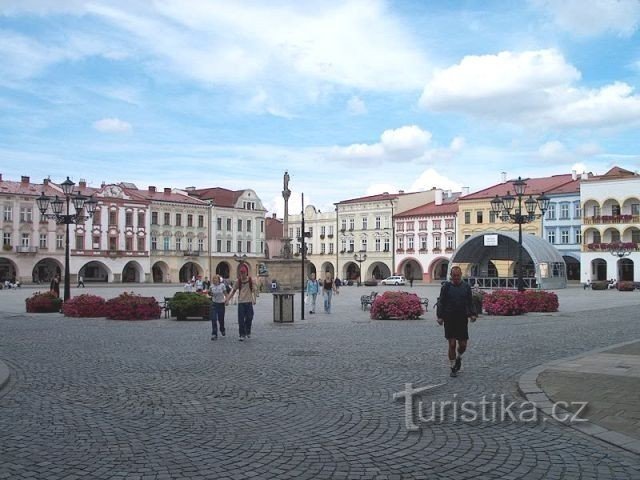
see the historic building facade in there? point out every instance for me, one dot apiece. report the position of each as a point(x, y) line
point(611, 226)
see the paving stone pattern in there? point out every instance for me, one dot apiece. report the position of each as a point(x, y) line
point(99, 399)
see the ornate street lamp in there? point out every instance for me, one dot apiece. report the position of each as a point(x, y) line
point(503, 206)
point(80, 202)
point(360, 257)
point(619, 249)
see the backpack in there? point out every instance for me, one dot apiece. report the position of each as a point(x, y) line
point(439, 308)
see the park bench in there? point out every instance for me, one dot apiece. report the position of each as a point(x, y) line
point(367, 300)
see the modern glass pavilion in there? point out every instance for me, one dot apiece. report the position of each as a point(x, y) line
point(490, 260)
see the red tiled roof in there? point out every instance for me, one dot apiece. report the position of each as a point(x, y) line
point(51, 189)
point(448, 206)
point(221, 197)
point(535, 186)
point(372, 198)
point(618, 172)
point(571, 187)
point(273, 228)
point(172, 197)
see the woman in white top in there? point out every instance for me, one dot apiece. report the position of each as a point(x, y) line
point(218, 293)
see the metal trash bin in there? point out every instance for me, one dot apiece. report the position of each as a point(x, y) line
point(283, 307)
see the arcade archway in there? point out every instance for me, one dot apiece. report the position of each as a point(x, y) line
point(379, 271)
point(223, 269)
point(188, 271)
point(411, 269)
point(95, 272)
point(45, 270)
point(8, 270)
point(160, 272)
point(132, 273)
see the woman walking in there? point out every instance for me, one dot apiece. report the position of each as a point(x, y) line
point(312, 292)
point(328, 289)
point(218, 292)
point(246, 300)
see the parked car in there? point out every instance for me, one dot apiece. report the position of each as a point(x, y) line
point(394, 280)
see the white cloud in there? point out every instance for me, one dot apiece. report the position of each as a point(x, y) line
point(355, 106)
point(430, 178)
point(589, 149)
point(594, 17)
point(112, 125)
point(532, 88)
point(552, 149)
point(457, 144)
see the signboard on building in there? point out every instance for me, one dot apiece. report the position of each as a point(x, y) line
point(491, 240)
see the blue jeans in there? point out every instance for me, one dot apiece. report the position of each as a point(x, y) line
point(245, 317)
point(216, 315)
point(327, 300)
point(312, 302)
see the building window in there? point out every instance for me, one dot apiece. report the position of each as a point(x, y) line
point(323, 248)
point(596, 237)
point(330, 229)
point(551, 236)
point(436, 242)
point(467, 236)
point(578, 236)
point(564, 211)
point(479, 216)
point(551, 213)
point(400, 227)
point(448, 224)
point(25, 239)
point(178, 219)
point(26, 215)
point(364, 223)
point(189, 244)
point(363, 245)
point(8, 213)
point(596, 211)
point(323, 230)
point(96, 242)
point(178, 243)
point(437, 224)
point(239, 246)
point(449, 241)
point(248, 225)
point(410, 243)
point(351, 245)
point(201, 244)
point(154, 243)
point(635, 236)
point(410, 226)
point(615, 236)
point(167, 219)
point(80, 242)
point(297, 232)
point(128, 219)
point(378, 222)
point(635, 209)
point(261, 247)
point(218, 245)
point(467, 218)
point(615, 209)
point(228, 245)
point(228, 228)
point(331, 248)
point(344, 244)
point(219, 223)
point(189, 220)
point(113, 243)
point(128, 244)
point(422, 226)
point(343, 224)
point(310, 232)
point(154, 218)
point(166, 243)
point(423, 243)
point(352, 223)
point(200, 221)
point(239, 224)
point(43, 240)
point(377, 244)
point(387, 244)
point(261, 226)
point(400, 243)
point(564, 237)
point(492, 217)
point(577, 210)
point(59, 241)
point(141, 244)
point(141, 219)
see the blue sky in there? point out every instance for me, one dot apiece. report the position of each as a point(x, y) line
point(351, 97)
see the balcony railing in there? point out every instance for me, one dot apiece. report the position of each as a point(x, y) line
point(192, 253)
point(605, 247)
point(110, 253)
point(21, 249)
point(609, 219)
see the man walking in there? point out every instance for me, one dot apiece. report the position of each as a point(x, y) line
point(455, 309)
point(80, 281)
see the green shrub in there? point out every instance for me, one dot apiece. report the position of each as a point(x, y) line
point(187, 304)
point(599, 285)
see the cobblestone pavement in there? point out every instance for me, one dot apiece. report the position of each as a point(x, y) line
point(99, 399)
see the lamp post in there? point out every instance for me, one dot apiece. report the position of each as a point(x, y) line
point(360, 257)
point(503, 205)
point(619, 249)
point(80, 202)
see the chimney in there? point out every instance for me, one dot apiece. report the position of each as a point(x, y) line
point(465, 191)
point(45, 182)
point(82, 183)
point(0, 177)
point(190, 189)
point(574, 175)
point(400, 191)
point(167, 190)
point(152, 189)
point(448, 193)
point(24, 179)
point(503, 175)
point(273, 216)
point(385, 193)
point(438, 197)
point(584, 175)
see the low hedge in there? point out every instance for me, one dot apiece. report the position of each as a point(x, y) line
point(43, 302)
point(397, 306)
point(512, 302)
point(187, 304)
point(600, 285)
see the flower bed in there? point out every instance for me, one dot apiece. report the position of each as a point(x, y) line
point(397, 306)
point(600, 285)
point(85, 306)
point(625, 286)
point(43, 302)
point(511, 302)
point(129, 306)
